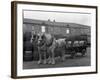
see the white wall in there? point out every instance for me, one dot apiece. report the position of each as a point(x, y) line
point(5, 40)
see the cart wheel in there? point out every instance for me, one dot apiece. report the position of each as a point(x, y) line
point(73, 54)
point(83, 52)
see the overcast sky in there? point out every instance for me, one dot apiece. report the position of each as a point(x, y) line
point(82, 18)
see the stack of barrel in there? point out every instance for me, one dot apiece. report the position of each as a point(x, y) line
point(27, 47)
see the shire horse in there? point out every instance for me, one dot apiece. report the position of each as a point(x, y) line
point(47, 45)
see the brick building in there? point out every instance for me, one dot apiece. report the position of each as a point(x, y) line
point(56, 28)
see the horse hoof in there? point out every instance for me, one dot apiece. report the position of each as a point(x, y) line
point(39, 62)
point(44, 62)
point(49, 62)
point(53, 63)
point(63, 60)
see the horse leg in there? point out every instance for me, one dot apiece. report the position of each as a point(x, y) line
point(40, 57)
point(53, 57)
point(44, 55)
point(50, 56)
point(63, 54)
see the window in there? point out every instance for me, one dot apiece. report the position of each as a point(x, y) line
point(33, 31)
point(42, 28)
point(67, 31)
point(32, 27)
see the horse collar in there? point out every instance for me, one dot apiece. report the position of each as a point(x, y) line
point(48, 45)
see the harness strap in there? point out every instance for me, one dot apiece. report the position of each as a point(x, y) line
point(51, 42)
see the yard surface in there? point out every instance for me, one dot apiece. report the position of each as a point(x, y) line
point(77, 61)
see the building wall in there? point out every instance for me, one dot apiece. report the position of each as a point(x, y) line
point(56, 30)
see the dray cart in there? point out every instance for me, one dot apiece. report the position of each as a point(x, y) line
point(76, 44)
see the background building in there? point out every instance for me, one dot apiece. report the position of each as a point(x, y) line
point(55, 28)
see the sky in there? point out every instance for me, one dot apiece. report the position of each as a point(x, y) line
point(71, 17)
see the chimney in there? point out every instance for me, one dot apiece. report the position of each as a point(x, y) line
point(54, 20)
point(49, 20)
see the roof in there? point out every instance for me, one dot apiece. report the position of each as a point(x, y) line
point(51, 23)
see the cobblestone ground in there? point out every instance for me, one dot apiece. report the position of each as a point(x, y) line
point(77, 61)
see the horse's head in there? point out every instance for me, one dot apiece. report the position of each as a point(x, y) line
point(34, 38)
point(41, 39)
